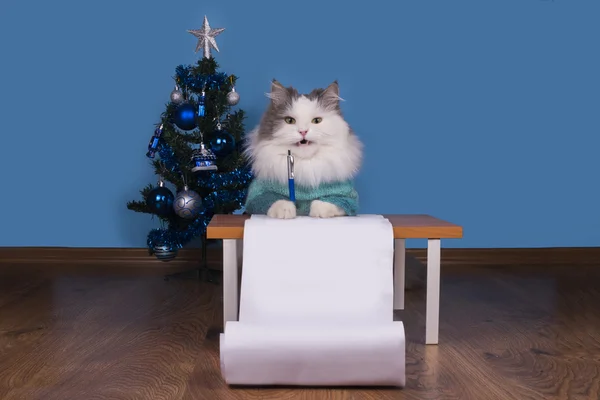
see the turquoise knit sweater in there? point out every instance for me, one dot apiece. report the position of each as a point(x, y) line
point(262, 194)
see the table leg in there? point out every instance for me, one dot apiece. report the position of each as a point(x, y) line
point(240, 253)
point(432, 314)
point(230, 280)
point(399, 273)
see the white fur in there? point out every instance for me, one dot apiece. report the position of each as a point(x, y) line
point(322, 209)
point(333, 155)
point(283, 209)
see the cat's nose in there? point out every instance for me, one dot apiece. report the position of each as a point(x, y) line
point(303, 133)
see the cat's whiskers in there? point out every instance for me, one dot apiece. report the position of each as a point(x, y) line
point(322, 132)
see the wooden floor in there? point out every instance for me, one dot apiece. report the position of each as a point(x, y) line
point(505, 333)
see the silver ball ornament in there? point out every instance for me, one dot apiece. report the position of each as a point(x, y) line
point(233, 97)
point(165, 252)
point(177, 95)
point(187, 203)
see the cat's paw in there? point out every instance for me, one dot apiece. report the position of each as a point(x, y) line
point(322, 209)
point(283, 209)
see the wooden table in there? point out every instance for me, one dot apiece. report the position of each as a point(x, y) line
point(230, 228)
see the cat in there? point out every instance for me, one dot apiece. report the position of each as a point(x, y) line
point(327, 156)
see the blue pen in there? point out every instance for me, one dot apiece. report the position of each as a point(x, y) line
point(290, 163)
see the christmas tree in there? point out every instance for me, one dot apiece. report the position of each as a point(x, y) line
point(197, 147)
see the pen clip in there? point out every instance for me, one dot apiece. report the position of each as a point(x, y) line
point(290, 160)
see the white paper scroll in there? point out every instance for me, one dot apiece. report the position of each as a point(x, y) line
point(316, 305)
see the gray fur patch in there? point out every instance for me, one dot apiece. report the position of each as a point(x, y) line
point(327, 98)
point(282, 99)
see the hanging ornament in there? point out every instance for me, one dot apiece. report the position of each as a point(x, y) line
point(154, 142)
point(164, 252)
point(221, 142)
point(177, 95)
point(203, 159)
point(201, 108)
point(160, 200)
point(187, 203)
point(233, 97)
point(185, 117)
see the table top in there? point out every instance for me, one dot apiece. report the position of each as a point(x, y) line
point(406, 226)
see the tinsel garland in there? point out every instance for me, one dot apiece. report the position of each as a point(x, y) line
point(176, 239)
point(227, 196)
point(167, 156)
point(198, 83)
point(241, 176)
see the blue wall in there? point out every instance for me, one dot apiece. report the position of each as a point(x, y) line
point(485, 113)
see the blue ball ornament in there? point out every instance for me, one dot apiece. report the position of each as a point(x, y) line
point(185, 117)
point(222, 143)
point(187, 204)
point(160, 200)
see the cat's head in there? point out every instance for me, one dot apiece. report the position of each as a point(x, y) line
point(313, 128)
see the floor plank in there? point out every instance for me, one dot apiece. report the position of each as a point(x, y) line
point(505, 333)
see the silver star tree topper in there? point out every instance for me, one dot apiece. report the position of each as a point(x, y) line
point(206, 37)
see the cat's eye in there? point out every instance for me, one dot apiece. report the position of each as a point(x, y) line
point(317, 120)
point(289, 120)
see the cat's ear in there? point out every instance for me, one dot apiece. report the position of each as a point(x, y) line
point(332, 90)
point(331, 96)
point(278, 92)
point(275, 85)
